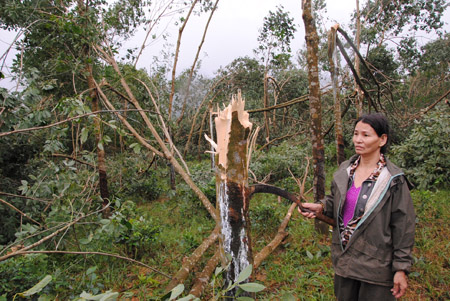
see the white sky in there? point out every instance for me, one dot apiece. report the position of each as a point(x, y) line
point(232, 33)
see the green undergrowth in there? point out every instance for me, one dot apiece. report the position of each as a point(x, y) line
point(163, 227)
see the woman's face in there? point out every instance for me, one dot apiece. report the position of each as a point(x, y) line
point(366, 140)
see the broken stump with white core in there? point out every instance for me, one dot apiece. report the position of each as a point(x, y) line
point(233, 130)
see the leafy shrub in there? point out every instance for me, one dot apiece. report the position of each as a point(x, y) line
point(425, 154)
point(131, 174)
point(129, 227)
point(264, 217)
point(204, 177)
point(20, 273)
point(277, 161)
point(138, 236)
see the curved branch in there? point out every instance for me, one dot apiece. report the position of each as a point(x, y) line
point(264, 188)
point(361, 59)
point(20, 212)
point(355, 74)
point(97, 253)
point(67, 120)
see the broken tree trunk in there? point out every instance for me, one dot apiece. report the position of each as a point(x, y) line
point(233, 129)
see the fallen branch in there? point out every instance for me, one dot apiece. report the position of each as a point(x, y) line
point(74, 159)
point(46, 201)
point(66, 120)
point(424, 111)
point(166, 153)
point(281, 235)
point(264, 188)
point(68, 225)
point(20, 212)
point(190, 262)
point(203, 277)
point(98, 253)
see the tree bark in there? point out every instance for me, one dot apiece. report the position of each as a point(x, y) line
point(334, 70)
point(233, 129)
point(315, 108)
point(202, 278)
point(359, 96)
point(93, 95)
point(101, 162)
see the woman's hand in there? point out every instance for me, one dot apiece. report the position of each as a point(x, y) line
point(313, 207)
point(400, 284)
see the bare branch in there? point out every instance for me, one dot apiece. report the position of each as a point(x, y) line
point(66, 120)
point(177, 51)
point(97, 253)
point(190, 262)
point(21, 213)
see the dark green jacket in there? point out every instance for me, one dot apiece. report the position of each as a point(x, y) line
point(383, 240)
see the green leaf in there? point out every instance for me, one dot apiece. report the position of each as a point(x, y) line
point(218, 271)
point(176, 291)
point(288, 297)
point(310, 256)
point(189, 298)
point(245, 299)
point(91, 270)
point(100, 146)
point(107, 296)
point(252, 287)
point(37, 288)
point(107, 139)
point(84, 135)
point(244, 274)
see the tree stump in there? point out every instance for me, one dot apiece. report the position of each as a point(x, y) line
point(233, 129)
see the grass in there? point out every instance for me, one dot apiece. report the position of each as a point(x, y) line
point(299, 268)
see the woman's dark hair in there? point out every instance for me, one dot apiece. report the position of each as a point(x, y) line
point(380, 124)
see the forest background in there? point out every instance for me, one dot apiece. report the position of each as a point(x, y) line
point(106, 186)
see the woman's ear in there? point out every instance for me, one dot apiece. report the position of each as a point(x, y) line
point(383, 141)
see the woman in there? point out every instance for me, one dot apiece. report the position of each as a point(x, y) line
point(375, 221)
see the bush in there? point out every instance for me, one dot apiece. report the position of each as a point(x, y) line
point(425, 154)
point(275, 163)
point(204, 177)
point(20, 273)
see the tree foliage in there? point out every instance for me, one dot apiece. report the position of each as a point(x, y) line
point(425, 154)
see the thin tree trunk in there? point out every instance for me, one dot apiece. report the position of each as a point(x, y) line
point(93, 94)
point(191, 73)
point(312, 48)
point(177, 51)
point(266, 104)
point(101, 162)
point(359, 95)
point(334, 70)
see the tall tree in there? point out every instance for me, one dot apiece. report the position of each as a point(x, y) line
point(315, 106)
point(58, 39)
point(274, 49)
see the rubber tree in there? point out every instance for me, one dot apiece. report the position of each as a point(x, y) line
point(315, 107)
point(233, 129)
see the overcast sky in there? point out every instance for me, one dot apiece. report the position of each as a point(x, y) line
point(232, 33)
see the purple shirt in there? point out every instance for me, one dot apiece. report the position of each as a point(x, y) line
point(350, 203)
